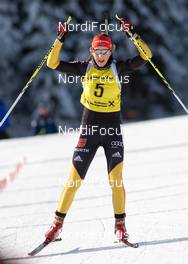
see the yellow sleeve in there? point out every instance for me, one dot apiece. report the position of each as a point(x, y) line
point(142, 47)
point(54, 56)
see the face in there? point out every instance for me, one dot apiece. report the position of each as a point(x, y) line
point(101, 59)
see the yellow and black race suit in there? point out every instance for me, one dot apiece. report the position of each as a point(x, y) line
point(100, 125)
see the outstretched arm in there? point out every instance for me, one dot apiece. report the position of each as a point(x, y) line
point(54, 56)
point(144, 52)
point(54, 62)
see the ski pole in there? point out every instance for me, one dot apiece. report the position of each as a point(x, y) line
point(30, 80)
point(156, 69)
point(106, 22)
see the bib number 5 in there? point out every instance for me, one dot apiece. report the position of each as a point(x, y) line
point(99, 90)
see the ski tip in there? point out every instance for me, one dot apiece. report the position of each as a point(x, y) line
point(57, 239)
point(129, 244)
point(31, 254)
point(41, 246)
point(136, 245)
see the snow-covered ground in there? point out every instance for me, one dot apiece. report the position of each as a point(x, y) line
point(155, 176)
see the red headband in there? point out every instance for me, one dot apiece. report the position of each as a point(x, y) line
point(103, 41)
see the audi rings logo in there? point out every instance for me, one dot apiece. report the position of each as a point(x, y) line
point(116, 144)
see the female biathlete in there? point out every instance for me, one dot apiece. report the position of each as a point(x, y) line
point(101, 98)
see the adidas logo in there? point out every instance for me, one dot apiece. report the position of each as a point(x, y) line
point(78, 158)
point(116, 155)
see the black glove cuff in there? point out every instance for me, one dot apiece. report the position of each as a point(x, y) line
point(130, 33)
point(61, 37)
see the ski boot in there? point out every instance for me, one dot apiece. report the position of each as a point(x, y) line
point(55, 229)
point(120, 230)
point(121, 233)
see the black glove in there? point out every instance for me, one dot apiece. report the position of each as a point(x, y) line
point(127, 27)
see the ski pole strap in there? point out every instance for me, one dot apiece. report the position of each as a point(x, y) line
point(30, 80)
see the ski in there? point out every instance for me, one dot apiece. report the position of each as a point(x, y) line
point(127, 243)
point(41, 246)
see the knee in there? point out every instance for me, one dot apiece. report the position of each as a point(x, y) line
point(115, 177)
point(116, 182)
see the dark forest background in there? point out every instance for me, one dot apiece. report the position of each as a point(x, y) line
point(28, 29)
